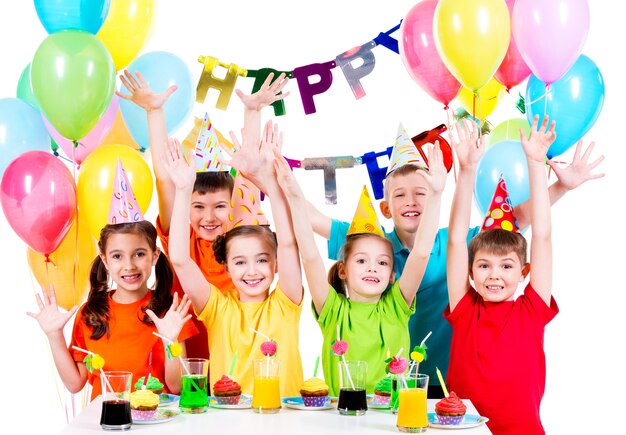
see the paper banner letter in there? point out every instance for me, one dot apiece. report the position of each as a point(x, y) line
point(354, 75)
point(329, 165)
point(431, 136)
point(259, 76)
point(225, 86)
point(307, 89)
point(385, 40)
point(376, 173)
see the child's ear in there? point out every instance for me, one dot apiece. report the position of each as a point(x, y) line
point(384, 208)
point(341, 270)
point(104, 261)
point(155, 256)
point(392, 278)
point(525, 272)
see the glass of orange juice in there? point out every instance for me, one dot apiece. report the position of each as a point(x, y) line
point(412, 409)
point(266, 397)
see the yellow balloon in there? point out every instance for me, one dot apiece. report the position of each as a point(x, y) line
point(472, 38)
point(487, 98)
point(120, 134)
point(68, 271)
point(126, 30)
point(95, 183)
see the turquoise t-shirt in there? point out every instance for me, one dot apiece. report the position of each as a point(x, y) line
point(370, 329)
point(431, 298)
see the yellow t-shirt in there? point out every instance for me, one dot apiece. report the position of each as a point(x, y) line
point(228, 322)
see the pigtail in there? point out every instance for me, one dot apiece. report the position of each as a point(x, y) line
point(95, 313)
point(219, 249)
point(335, 281)
point(162, 296)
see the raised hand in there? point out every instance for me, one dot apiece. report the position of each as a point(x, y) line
point(579, 170)
point(284, 176)
point(50, 318)
point(437, 174)
point(170, 325)
point(266, 95)
point(536, 146)
point(181, 171)
point(469, 149)
point(141, 94)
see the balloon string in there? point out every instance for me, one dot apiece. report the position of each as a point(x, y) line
point(545, 94)
point(450, 116)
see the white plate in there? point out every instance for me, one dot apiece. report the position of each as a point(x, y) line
point(296, 402)
point(168, 399)
point(468, 421)
point(163, 415)
point(372, 405)
point(245, 402)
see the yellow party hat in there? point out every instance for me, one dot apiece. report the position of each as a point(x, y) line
point(404, 152)
point(246, 204)
point(365, 219)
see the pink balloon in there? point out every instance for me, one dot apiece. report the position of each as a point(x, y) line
point(38, 197)
point(420, 56)
point(93, 139)
point(513, 69)
point(550, 35)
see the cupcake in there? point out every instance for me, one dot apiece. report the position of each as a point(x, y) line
point(143, 405)
point(227, 391)
point(382, 391)
point(153, 385)
point(450, 410)
point(314, 392)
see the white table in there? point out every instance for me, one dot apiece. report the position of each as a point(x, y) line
point(245, 421)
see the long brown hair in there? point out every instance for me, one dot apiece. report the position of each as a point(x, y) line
point(96, 313)
point(220, 244)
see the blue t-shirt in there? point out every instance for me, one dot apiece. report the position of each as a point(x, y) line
point(431, 298)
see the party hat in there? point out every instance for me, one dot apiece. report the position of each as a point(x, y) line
point(124, 206)
point(500, 213)
point(365, 219)
point(209, 157)
point(246, 204)
point(404, 152)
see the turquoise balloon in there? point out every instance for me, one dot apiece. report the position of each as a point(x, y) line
point(87, 15)
point(507, 158)
point(574, 102)
point(161, 70)
point(22, 130)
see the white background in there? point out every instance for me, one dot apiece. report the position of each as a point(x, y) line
point(585, 376)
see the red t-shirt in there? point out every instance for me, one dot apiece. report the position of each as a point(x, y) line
point(128, 345)
point(201, 252)
point(497, 359)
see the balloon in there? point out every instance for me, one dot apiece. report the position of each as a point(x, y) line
point(21, 130)
point(508, 131)
point(161, 70)
point(119, 133)
point(505, 158)
point(69, 266)
point(73, 79)
point(487, 99)
point(420, 57)
point(472, 38)
point(25, 91)
point(513, 69)
point(574, 102)
point(95, 182)
point(38, 199)
point(127, 29)
point(84, 15)
point(550, 35)
point(93, 139)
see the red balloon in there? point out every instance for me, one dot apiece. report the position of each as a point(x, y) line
point(38, 197)
point(420, 56)
point(513, 69)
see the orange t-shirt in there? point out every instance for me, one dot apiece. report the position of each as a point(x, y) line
point(201, 252)
point(128, 345)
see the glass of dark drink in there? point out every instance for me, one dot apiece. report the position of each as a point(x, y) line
point(352, 396)
point(116, 400)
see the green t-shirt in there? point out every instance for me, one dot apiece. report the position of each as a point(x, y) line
point(371, 331)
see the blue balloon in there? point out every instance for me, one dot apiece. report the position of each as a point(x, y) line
point(161, 70)
point(574, 102)
point(507, 158)
point(21, 130)
point(87, 15)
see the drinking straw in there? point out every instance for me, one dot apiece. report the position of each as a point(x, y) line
point(267, 366)
point(260, 333)
point(180, 358)
point(443, 384)
point(343, 358)
point(106, 381)
point(425, 338)
point(415, 363)
point(232, 364)
point(317, 363)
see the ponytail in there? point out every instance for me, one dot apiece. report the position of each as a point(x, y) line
point(95, 313)
point(162, 296)
point(333, 279)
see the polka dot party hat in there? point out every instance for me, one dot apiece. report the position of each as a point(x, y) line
point(124, 207)
point(365, 219)
point(246, 204)
point(404, 152)
point(209, 157)
point(500, 213)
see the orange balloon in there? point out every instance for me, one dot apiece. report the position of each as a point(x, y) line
point(119, 133)
point(68, 271)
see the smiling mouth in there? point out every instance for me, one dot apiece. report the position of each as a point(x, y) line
point(209, 227)
point(411, 214)
point(371, 279)
point(134, 277)
point(494, 288)
point(253, 282)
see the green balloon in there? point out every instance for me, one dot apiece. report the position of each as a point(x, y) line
point(73, 79)
point(25, 91)
point(508, 130)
